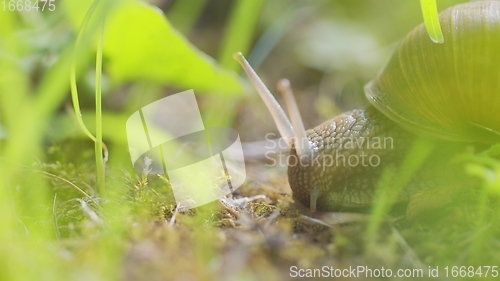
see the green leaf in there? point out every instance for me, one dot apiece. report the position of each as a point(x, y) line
point(140, 44)
point(431, 20)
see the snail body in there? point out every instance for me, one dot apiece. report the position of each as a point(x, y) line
point(447, 93)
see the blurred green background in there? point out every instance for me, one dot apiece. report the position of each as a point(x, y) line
point(59, 223)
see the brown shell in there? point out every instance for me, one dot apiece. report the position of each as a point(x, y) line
point(449, 90)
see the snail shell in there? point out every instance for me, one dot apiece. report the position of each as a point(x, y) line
point(450, 90)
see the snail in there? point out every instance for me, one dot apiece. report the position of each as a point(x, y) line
point(447, 93)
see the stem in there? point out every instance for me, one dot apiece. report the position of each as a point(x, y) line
point(394, 179)
point(431, 20)
point(479, 243)
point(98, 145)
point(238, 37)
point(240, 30)
point(184, 14)
point(74, 89)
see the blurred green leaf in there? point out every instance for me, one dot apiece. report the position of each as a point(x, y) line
point(141, 44)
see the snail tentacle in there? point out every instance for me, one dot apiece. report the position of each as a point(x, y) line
point(279, 116)
point(302, 144)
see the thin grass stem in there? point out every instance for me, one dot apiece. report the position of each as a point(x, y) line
point(98, 145)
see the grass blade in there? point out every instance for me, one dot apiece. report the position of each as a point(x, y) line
point(431, 20)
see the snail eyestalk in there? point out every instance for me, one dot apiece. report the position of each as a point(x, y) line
point(299, 132)
point(279, 116)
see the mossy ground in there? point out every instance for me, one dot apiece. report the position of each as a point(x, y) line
point(256, 234)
